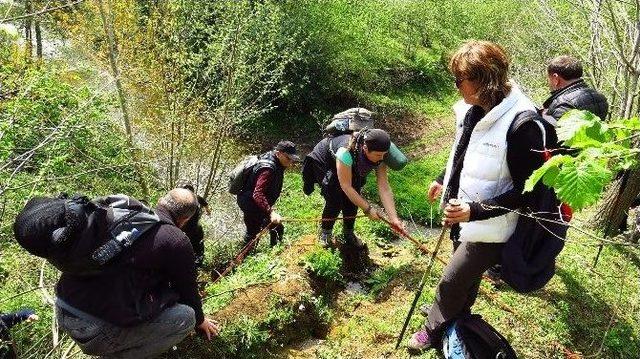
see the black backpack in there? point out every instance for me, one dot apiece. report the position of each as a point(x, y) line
point(471, 337)
point(81, 236)
point(528, 257)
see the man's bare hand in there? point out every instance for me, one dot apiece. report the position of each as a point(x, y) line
point(276, 218)
point(435, 190)
point(210, 328)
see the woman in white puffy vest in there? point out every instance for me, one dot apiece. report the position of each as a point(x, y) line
point(486, 170)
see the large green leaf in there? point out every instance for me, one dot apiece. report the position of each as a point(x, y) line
point(572, 122)
point(632, 124)
point(548, 169)
point(582, 129)
point(580, 183)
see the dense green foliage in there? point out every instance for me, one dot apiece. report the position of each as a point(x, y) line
point(324, 264)
point(204, 79)
point(599, 150)
point(55, 136)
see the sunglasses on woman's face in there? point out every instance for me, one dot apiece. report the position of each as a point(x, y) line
point(459, 81)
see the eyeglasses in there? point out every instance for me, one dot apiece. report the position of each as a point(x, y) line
point(459, 81)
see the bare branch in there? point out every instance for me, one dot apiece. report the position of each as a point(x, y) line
point(43, 11)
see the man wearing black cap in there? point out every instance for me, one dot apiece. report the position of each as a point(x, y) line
point(262, 190)
point(340, 166)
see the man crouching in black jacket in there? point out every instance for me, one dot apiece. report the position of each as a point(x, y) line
point(148, 301)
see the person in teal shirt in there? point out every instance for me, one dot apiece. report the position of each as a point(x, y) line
point(340, 166)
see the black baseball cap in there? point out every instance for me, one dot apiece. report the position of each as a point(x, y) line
point(288, 148)
point(377, 140)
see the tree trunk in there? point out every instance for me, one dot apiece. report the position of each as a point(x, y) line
point(615, 206)
point(198, 170)
point(172, 154)
point(38, 39)
point(113, 51)
point(617, 201)
point(28, 22)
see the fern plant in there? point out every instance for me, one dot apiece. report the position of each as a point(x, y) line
point(380, 279)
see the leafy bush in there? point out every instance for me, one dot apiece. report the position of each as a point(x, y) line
point(245, 337)
point(601, 150)
point(381, 278)
point(349, 50)
point(280, 315)
point(324, 263)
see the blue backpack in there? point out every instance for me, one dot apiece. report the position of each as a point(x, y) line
point(471, 337)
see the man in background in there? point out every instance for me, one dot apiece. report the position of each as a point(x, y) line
point(570, 91)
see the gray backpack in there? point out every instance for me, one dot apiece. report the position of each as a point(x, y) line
point(349, 121)
point(239, 176)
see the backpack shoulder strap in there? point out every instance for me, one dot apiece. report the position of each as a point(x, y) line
point(333, 146)
point(521, 118)
point(264, 163)
point(525, 116)
point(127, 220)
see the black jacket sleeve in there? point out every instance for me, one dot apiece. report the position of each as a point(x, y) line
point(523, 157)
point(14, 318)
point(180, 268)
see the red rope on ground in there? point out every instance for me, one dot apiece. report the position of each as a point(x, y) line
point(254, 242)
point(320, 219)
point(243, 253)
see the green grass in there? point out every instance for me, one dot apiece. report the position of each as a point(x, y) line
point(595, 313)
point(410, 187)
point(256, 269)
point(379, 280)
point(581, 310)
point(324, 264)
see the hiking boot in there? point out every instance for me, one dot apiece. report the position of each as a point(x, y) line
point(308, 188)
point(419, 342)
point(351, 239)
point(326, 237)
point(494, 274)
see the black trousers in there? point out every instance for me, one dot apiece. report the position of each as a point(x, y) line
point(336, 201)
point(196, 237)
point(6, 344)
point(458, 288)
point(255, 222)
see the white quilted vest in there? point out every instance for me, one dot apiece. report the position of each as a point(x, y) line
point(485, 173)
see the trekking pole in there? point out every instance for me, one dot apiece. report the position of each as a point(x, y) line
point(423, 281)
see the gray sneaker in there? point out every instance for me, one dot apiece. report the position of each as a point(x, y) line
point(326, 238)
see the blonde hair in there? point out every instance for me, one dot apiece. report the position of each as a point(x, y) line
point(486, 63)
